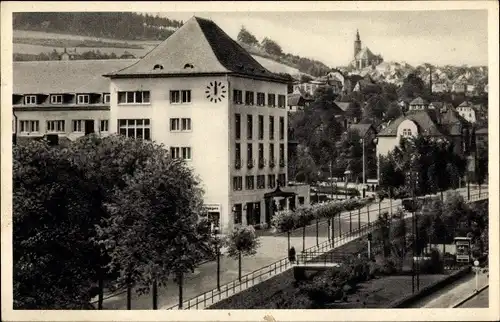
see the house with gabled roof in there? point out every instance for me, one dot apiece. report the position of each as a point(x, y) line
point(445, 123)
point(418, 104)
point(212, 104)
point(467, 110)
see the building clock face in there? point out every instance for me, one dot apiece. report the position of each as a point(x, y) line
point(215, 91)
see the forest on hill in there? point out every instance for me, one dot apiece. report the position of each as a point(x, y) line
point(116, 25)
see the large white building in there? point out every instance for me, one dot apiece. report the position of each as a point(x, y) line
point(212, 104)
point(199, 93)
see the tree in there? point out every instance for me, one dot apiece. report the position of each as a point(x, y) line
point(303, 216)
point(382, 234)
point(246, 37)
point(413, 86)
point(242, 242)
point(284, 221)
point(152, 232)
point(302, 166)
point(393, 112)
point(271, 47)
point(53, 230)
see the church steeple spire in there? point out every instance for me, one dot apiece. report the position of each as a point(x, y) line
point(357, 44)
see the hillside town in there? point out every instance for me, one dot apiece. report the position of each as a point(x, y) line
point(201, 175)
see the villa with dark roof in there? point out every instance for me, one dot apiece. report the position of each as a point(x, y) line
point(444, 123)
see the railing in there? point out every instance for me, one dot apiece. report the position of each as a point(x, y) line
point(250, 163)
point(237, 164)
point(262, 163)
point(213, 296)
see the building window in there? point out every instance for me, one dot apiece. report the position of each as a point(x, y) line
point(56, 99)
point(301, 200)
point(83, 99)
point(282, 155)
point(186, 153)
point(271, 100)
point(180, 124)
point(250, 161)
point(249, 127)
point(249, 182)
point(237, 213)
point(237, 183)
point(104, 126)
point(271, 127)
point(261, 181)
point(135, 128)
point(249, 98)
point(237, 96)
point(29, 126)
point(261, 99)
point(107, 98)
point(282, 179)
point(78, 125)
point(281, 101)
point(261, 156)
point(137, 97)
point(237, 156)
point(271, 155)
point(282, 128)
point(30, 100)
point(180, 97)
point(175, 124)
point(406, 132)
point(180, 152)
point(55, 126)
point(261, 127)
point(271, 181)
point(237, 131)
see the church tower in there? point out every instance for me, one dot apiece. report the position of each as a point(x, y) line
point(357, 44)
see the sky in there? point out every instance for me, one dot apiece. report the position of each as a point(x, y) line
point(454, 37)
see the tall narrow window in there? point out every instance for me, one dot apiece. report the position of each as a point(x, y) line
point(271, 100)
point(237, 183)
point(271, 156)
point(237, 96)
point(249, 96)
point(261, 156)
point(250, 182)
point(261, 99)
point(249, 127)
point(261, 127)
point(282, 128)
point(282, 155)
point(271, 127)
point(250, 160)
point(104, 126)
point(237, 129)
point(237, 156)
point(281, 101)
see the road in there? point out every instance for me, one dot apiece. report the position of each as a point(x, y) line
point(479, 301)
point(273, 247)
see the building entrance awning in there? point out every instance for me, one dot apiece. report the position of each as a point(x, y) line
point(278, 193)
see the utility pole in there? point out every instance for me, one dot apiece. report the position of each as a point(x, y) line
point(331, 180)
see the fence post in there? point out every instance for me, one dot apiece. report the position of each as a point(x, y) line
point(368, 212)
point(359, 219)
point(333, 232)
point(350, 221)
point(340, 227)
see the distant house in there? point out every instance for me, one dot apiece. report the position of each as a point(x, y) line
point(366, 131)
point(68, 55)
point(127, 55)
point(349, 113)
point(482, 136)
point(350, 82)
point(364, 83)
point(297, 101)
point(445, 124)
point(308, 87)
point(439, 87)
point(471, 89)
point(467, 111)
point(418, 104)
point(459, 87)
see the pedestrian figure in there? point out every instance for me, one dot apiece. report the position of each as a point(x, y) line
point(291, 255)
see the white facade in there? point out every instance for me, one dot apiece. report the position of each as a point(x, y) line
point(212, 137)
point(468, 113)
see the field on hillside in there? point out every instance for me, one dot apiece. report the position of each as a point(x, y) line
point(43, 42)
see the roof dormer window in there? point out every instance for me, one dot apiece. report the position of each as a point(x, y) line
point(158, 66)
point(30, 100)
point(188, 66)
point(56, 99)
point(83, 99)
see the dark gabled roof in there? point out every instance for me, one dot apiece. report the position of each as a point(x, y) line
point(297, 99)
point(344, 106)
point(198, 47)
point(418, 101)
point(426, 125)
point(362, 128)
point(465, 104)
point(437, 105)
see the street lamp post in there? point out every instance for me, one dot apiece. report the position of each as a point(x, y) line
point(362, 141)
point(217, 245)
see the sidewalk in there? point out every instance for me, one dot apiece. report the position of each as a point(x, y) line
point(458, 292)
